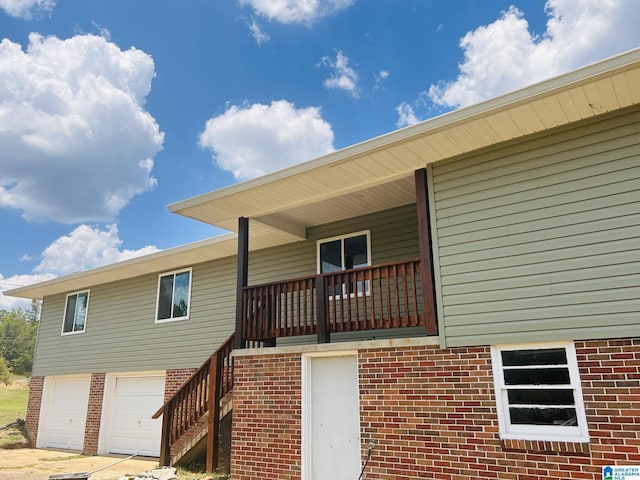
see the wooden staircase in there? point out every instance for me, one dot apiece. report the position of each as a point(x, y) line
point(196, 410)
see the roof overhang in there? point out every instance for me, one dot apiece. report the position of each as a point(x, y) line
point(374, 175)
point(378, 174)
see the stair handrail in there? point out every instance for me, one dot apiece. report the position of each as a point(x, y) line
point(194, 398)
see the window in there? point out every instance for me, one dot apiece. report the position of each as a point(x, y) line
point(75, 312)
point(174, 292)
point(344, 253)
point(538, 392)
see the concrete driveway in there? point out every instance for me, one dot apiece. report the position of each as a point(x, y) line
point(31, 464)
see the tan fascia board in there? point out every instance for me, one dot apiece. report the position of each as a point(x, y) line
point(555, 85)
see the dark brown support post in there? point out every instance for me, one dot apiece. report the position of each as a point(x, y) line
point(243, 276)
point(426, 253)
point(213, 422)
point(324, 335)
point(165, 445)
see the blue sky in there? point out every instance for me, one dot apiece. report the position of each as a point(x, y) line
point(111, 110)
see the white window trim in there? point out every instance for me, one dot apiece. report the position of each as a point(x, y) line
point(579, 433)
point(174, 273)
point(64, 312)
point(366, 291)
point(342, 238)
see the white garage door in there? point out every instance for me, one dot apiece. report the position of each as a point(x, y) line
point(132, 428)
point(66, 413)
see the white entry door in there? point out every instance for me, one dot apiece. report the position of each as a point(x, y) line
point(133, 431)
point(332, 419)
point(64, 413)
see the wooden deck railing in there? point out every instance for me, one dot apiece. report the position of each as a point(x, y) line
point(376, 297)
point(197, 396)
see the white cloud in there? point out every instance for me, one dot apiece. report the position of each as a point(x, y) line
point(27, 9)
point(343, 77)
point(102, 31)
point(380, 79)
point(304, 12)
point(257, 33)
point(15, 281)
point(252, 140)
point(76, 142)
point(84, 248)
point(505, 55)
point(406, 115)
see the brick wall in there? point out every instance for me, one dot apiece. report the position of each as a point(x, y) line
point(94, 414)
point(610, 374)
point(175, 379)
point(32, 419)
point(432, 414)
point(266, 433)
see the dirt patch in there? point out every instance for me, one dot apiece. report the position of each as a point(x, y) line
point(31, 464)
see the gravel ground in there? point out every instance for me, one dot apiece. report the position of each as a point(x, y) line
point(31, 464)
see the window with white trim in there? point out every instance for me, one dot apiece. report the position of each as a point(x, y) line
point(345, 252)
point(538, 392)
point(75, 312)
point(174, 294)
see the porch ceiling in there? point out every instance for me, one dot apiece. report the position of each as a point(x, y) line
point(326, 208)
point(378, 174)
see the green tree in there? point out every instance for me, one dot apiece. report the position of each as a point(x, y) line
point(17, 341)
point(33, 314)
point(5, 374)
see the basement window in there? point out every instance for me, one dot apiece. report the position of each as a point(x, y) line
point(174, 294)
point(538, 392)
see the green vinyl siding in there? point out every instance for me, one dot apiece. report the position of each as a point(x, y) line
point(121, 332)
point(394, 236)
point(539, 240)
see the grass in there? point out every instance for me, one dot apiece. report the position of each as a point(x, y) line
point(13, 406)
point(194, 470)
point(13, 400)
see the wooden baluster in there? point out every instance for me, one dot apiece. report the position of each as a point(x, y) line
point(321, 311)
point(213, 422)
point(375, 290)
point(414, 293)
point(388, 314)
point(402, 274)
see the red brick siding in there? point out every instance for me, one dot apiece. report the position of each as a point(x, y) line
point(266, 433)
point(94, 414)
point(32, 419)
point(175, 379)
point(610, 375)
point(432, 414)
